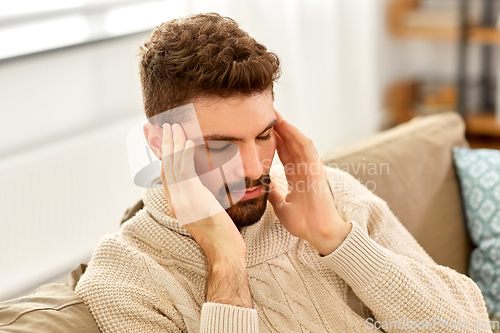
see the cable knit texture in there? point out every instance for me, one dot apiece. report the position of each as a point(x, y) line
point(150, 276)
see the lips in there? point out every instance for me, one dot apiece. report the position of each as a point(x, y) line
point(251, 193)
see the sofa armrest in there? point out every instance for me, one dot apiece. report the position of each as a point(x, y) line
point(52, 308)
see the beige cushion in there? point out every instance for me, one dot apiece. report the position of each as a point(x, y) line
point(411, 167)
point(52, 308)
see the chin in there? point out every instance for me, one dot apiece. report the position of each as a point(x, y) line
point(248, 212)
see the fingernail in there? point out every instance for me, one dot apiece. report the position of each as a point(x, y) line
point(175, 128)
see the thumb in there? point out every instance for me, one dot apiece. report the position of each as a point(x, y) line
point(275, 197)
point(169, 200)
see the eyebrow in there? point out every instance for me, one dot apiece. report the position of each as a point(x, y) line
point(219, 137)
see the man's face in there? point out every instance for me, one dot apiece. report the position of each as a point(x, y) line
point(247, 122)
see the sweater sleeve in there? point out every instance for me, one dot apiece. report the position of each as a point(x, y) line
point(218, 317)
point(393, 275)
point(121, 297)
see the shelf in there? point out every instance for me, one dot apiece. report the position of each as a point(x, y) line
point(483, 124)
point(484, 35)
point(475, 35)
point(400, 102)
point(408, 98)
point(399, 12)
point(478, 142)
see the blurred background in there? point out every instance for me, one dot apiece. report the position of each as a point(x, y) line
point(70, 92)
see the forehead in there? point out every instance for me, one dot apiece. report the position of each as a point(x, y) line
point(239, 116)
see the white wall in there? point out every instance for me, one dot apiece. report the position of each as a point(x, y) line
point(53, 95)
point(64, 174)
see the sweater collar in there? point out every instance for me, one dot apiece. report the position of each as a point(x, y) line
point(264, 240)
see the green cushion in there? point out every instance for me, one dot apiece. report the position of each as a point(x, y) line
point(479, 174)
point(52, 308)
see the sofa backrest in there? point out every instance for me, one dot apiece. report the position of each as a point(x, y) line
point(411, 168)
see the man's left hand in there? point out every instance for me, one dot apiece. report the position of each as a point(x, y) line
point(308, 210)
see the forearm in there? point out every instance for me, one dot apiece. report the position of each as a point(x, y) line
point(227, 283)
point(396, 287)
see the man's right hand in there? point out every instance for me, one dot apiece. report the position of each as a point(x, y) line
point(196, 208)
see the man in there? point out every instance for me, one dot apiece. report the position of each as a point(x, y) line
point(326, 255)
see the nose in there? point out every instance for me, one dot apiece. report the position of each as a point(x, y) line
point(252, 166)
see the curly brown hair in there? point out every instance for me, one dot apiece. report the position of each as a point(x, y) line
point(202, 55)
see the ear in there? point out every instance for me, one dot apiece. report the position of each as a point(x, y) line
point(154, 137)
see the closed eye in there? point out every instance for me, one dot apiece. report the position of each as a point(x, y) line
point(263, 138)
point(227, 146)
point(219, 150)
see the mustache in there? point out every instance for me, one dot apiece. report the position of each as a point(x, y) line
point(264, 179)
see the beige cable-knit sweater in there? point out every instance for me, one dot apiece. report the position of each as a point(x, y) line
point(150, 276)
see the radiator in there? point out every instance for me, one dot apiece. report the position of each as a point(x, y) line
point(57, 201)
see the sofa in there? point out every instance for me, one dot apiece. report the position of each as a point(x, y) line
point(410, 166)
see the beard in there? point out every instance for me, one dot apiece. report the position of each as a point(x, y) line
point(245, 213)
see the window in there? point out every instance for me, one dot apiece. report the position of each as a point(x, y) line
point(32, 26)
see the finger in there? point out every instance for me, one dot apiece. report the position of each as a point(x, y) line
point(167, 147)
point(167, 159)
point(187, 166)
point(276, 198)
point(179, 146)
point(286, 158)
point(167, 150)
point(279, 116)
point(278, 127)
point(169, 198)
point(298, 144)
point(283, 153)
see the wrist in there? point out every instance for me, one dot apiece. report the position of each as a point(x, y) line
point(329, 243)
point(224, 262)
point(227, 283)
point(224, 255)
